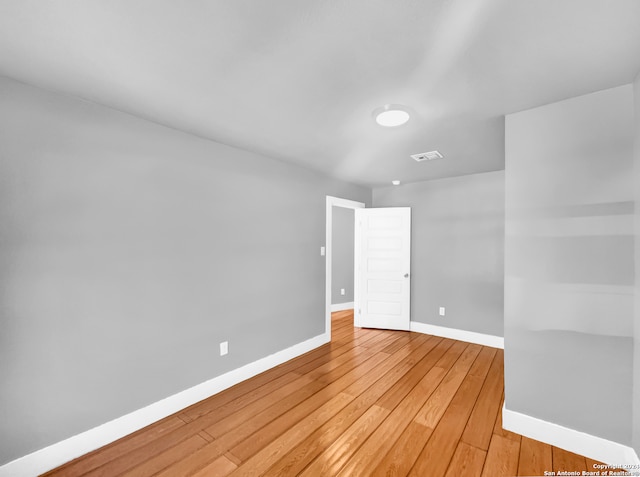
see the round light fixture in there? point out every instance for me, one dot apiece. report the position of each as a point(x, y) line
point(391, 115)
point(396, 182)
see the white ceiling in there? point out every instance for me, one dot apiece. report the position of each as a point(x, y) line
point(298, 79)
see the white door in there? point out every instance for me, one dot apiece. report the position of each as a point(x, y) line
point(382, 268)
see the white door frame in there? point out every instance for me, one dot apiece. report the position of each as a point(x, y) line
point(331, 202)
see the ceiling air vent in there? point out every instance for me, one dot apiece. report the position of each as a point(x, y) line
point(426, 156)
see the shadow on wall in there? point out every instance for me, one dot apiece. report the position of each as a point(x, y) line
point(569, 274)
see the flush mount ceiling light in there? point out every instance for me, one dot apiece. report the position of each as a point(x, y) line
point(396, 182)
point(391, 115)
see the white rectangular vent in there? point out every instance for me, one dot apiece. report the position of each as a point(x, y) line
point(427, 156)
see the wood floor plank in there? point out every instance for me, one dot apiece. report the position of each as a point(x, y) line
point(404, 453)
point(220, 467)
point(312, 446)
point(483, 417)
point(404, 399)
point(293, 364)
point(244, 429)
point(488, 355)
point(336, 356)
point(269, 455)
point(302, 387)
point(399, 343)
point(371, 453)
point(437, 404)
point(345, 362)
point(502, 457)
point(565, 461)
point(359, 366)
point(161, 460)
point(252, 430)
point(368, 338)
point(449, 359)
point(106, 454)
point(436, 349)
point(377, 345)
point(467, 461)
point(343, 315)
point(341, 324)
point(410, 351)
point(371, 403)
point(275, 411)
point(308, 449)
point(237, 396)
point(336, 455)
point(171, 451)
point(256, 440)
point(235, 430)
point(225, 408)
point(535, 457)
point(437, 453)
point(443, 356)
point(206, 436)
point(196, 461)
point(272, 430)
point(389, 372)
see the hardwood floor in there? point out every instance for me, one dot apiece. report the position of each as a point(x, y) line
point(372, 402)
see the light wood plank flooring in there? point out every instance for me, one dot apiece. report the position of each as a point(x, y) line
point(372, 402)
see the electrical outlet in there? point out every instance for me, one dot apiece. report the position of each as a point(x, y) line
point(442, 311)
point(342, 292)
point(224, 348)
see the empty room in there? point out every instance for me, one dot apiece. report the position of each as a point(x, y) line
point(319, 238)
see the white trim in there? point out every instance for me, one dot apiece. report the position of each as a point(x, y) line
point(61, 452)
point(595, 448)
point(338, 202)
point(461, 335)
point(342, 306)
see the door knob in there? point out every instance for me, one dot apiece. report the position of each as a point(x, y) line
point(406, 275)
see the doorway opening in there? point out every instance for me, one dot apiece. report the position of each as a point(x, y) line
point(334, 300)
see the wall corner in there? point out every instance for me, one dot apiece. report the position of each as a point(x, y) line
point(636, 335)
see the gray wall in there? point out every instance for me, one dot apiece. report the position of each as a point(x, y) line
point(342, 254)
point(457, 249)
point(129, 251)
point(569, 263)
point(636, 363)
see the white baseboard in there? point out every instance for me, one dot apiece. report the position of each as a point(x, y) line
point(574, 441)
point(342, 306)
point(461, 335)
point(57, 454)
